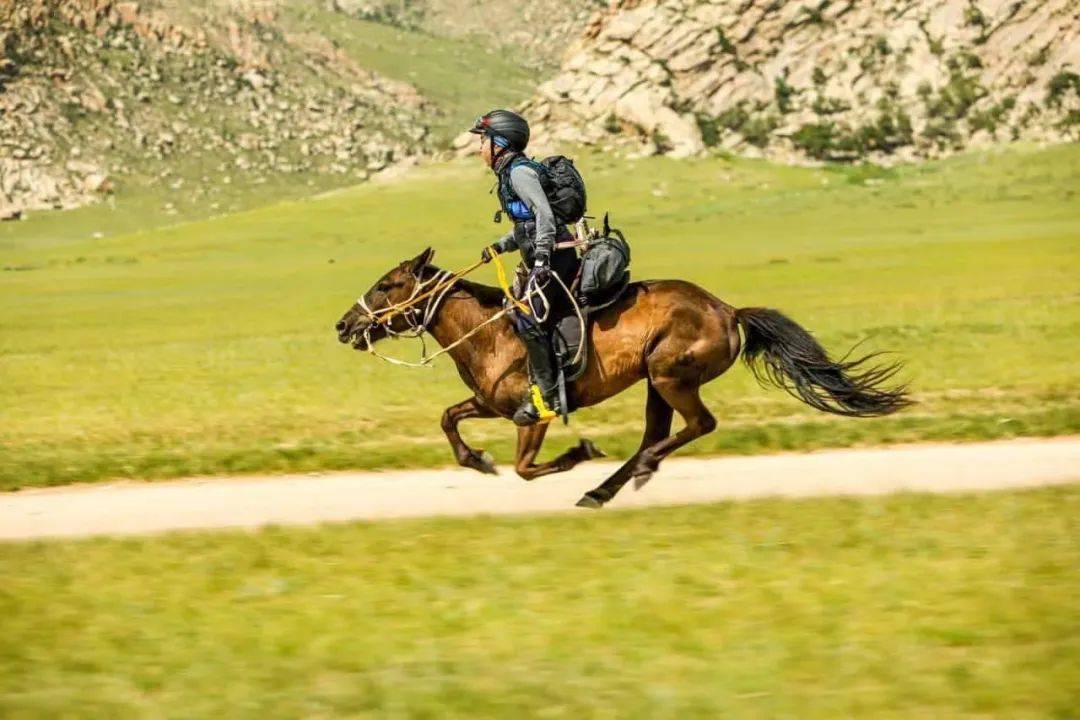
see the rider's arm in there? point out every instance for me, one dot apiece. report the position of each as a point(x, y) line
point(526, 184)
point(506, 243)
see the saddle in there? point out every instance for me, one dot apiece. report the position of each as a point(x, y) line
point(567, 339)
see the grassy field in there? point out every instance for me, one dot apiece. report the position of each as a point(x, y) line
point(207, 347)
point(901, 607)
point(461, 78)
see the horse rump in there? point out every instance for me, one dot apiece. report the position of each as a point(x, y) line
point(783, 354)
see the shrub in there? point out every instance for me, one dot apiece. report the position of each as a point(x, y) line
point(828, 106)
point(1061, 85)
point(784, 93)
point(816, 139)
point(757, 129)
point(710, 130)
point(733, 118)
point(725, 44)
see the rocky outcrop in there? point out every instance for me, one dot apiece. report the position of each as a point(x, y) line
point(818, 79)
point(94, 91)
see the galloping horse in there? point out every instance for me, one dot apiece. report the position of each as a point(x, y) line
point(670, 333)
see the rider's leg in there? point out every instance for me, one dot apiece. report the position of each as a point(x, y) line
point(542, 372)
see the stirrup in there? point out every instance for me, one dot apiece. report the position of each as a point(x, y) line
point(544, 413)
point(533, 409)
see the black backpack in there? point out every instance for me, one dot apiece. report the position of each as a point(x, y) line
point(562, 183)
point(565, 189)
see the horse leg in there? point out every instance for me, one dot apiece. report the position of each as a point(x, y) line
point(466, 456)
point(685, 397)
point(531, 439)
point(658, 416)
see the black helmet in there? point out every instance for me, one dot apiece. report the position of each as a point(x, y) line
point(504, 124)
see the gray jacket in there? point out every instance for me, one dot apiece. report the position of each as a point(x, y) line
point(535, 238)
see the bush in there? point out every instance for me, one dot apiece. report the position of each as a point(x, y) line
point(710, 130)
point(1061, 85)
point(784, 93)
point(816, 140)
point(758, 129)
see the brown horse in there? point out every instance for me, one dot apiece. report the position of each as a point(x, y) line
point(670, 333)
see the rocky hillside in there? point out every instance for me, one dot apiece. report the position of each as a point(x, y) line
point(96, 93)
point(819, 79)
point(524, 28)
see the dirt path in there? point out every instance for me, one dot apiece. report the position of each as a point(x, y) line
point(136, 508)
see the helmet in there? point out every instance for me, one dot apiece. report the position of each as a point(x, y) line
point(506, 125)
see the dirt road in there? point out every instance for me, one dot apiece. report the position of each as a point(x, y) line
point(137, 508)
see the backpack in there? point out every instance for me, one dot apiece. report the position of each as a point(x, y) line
point(566, 190)
point(562, 183)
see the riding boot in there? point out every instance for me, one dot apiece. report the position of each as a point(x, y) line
point(542, 400)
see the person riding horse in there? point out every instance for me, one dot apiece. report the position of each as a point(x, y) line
point(504, 135)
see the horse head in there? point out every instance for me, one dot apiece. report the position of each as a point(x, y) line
point(367, 320)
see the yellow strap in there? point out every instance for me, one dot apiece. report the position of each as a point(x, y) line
point(501, 272)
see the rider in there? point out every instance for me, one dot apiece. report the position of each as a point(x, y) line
point(504, 135)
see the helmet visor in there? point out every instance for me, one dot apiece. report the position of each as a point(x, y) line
point(480, 127)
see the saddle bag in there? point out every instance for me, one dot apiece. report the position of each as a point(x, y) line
point(605, 266)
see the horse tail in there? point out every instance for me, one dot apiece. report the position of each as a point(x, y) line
point(783, 354)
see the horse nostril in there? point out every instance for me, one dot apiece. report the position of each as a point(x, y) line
point(340, 327)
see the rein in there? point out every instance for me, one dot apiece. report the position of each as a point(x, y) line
point(440, 286)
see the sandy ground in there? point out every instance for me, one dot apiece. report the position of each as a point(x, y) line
point(137, 508)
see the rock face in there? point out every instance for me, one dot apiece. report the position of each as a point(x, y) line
point(818, 79)
point(92, 90)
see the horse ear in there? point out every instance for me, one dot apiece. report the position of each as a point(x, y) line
point(421, 261)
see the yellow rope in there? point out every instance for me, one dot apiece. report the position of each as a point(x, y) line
point(501, 272)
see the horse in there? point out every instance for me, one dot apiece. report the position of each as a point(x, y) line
point(671, 333)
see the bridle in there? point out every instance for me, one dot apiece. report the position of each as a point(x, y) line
point(432, 291)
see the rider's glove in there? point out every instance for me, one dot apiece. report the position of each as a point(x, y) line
point(489, 253)
point(541, 273)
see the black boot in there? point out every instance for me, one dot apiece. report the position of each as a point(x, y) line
point(542, 400)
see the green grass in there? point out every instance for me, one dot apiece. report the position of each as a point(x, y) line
point(207, 347)
point(901, 607)
point(461, 78)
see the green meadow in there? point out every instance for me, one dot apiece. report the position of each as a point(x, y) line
point(207, 346)
point(901, 607)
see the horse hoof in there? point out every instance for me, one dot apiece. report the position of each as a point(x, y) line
point(487, 464)
point(641, 477)
point(587, 501)
point(591, 451)
point(481, 462)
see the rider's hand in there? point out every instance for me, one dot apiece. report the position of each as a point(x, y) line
point(541, 273)
point(488, 253)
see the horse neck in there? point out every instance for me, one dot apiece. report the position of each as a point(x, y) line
point(459, 313)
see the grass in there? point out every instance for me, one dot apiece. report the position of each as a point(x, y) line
point(207, 347)
point(461, 78)
point(900, 607)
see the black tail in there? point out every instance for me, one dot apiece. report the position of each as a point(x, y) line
point(782, 353)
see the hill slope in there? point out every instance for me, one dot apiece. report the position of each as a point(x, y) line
point(822, 79)
point(95, 91)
